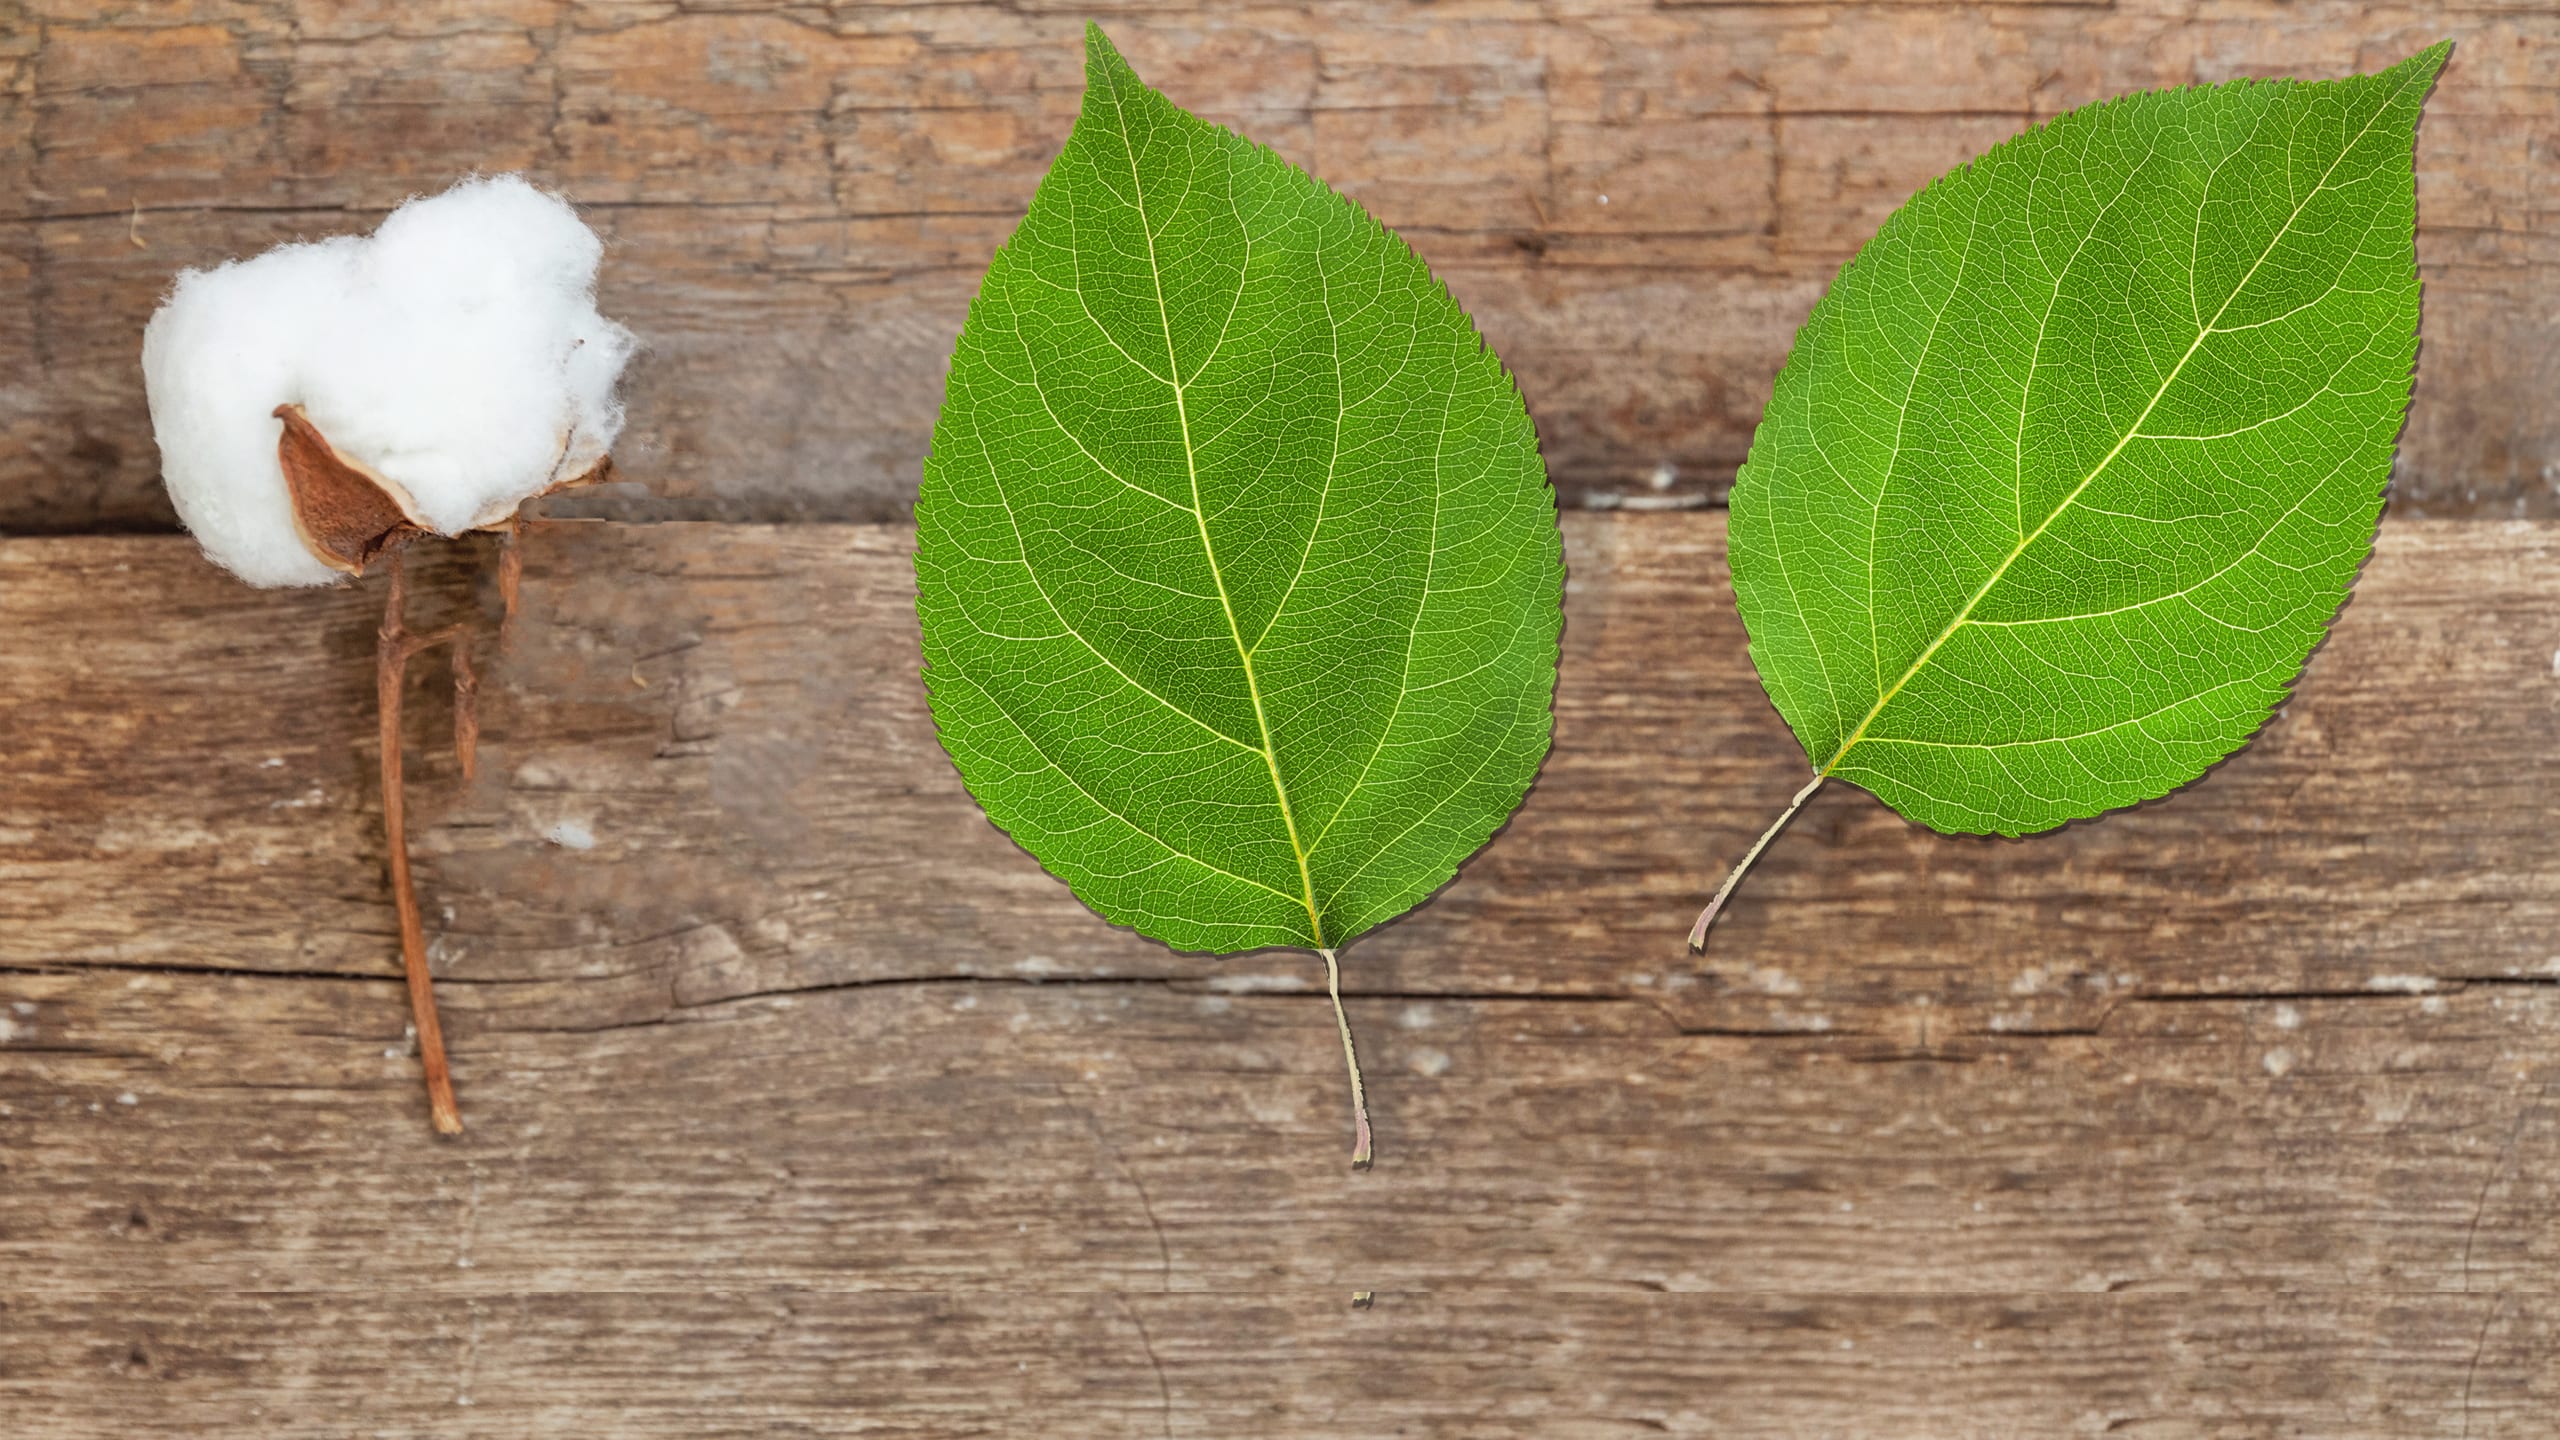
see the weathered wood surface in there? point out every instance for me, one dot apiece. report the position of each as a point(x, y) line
point(803, 1102)
point(1639, 201)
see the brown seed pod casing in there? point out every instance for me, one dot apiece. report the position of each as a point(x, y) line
point(349, 515)
point(346, 514)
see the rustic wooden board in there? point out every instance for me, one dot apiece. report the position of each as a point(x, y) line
point(736, 710)
point(801, 197)
point(803, 1102)
point(1287, 1363)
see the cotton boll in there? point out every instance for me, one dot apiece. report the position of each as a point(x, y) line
point(468, 379)
point(456, 353)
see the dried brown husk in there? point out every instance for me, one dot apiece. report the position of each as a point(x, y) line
point(346, 514)
point(350, 515)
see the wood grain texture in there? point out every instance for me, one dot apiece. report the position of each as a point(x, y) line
point(1638, 201)
point(802, 1102)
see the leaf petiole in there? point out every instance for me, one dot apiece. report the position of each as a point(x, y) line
point(1707, 917)
point(1361, 1154)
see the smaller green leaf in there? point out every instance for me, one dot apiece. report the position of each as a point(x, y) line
point(1238, 571)
point(2078, 458)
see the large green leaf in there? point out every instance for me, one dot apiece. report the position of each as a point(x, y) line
point(2078, 458)
point(1238, 571)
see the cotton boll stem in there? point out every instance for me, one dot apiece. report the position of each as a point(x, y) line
point(510, 578)
point(1361, 1140)
point(1724, 892)
point(396, 645)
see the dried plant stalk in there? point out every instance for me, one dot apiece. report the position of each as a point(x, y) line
point(349, 516)
point(396, 646)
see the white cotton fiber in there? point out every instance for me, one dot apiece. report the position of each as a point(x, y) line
point(456, 351)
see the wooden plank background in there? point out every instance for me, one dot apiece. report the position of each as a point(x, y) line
point(1638, 201)
point(802, 1102)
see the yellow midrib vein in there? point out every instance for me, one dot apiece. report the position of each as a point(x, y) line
point(1200, 514)
point(2203, 333)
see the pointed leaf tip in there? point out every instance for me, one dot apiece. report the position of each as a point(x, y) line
point(2412, 80)
point(1102, 59)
